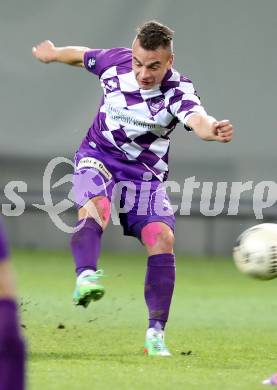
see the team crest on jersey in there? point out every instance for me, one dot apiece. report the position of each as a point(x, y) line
point(155, 104)
point(185, 79)
point(111, 84)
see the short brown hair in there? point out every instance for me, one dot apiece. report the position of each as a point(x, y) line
point(153, 34)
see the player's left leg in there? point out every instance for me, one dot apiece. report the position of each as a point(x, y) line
point(12, 349)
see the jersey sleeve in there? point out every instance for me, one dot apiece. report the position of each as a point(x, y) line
point(98, 60)
point(185, 102)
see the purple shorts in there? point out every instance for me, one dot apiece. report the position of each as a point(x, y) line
point(4, 249)
point(137, 195)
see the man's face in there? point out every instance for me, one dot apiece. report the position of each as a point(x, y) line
point(150, 66)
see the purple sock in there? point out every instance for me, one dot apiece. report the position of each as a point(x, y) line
point(12, 349)
point(86, 245)
point(158, 288)
point(4, 251)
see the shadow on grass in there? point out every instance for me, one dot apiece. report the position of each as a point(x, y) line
point(40, 356)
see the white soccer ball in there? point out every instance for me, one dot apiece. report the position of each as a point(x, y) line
point(255, 251)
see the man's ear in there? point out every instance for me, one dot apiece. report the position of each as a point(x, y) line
point(170, 61)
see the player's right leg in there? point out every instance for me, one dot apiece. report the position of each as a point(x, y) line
point(12, 348)
point(85, 246)
point(92, 189)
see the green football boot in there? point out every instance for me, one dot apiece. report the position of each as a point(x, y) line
point(88, 289)
point(154, 343)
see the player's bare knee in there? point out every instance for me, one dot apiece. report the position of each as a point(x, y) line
point(170, 238)
point(98, 208)
point(158, 236)
point(150, 233)
point(166, 241)
point(104, 208)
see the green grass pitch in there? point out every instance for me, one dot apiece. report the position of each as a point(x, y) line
point(226, 320)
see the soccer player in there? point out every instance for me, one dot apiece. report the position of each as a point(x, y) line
point(12, 349)
point(144, 98)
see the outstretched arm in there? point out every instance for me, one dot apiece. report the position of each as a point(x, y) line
point(209, 129)
point(47, 52)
